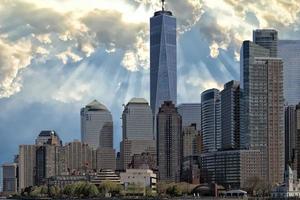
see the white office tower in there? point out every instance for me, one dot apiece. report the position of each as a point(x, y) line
point(138, 135)
point(96, 125)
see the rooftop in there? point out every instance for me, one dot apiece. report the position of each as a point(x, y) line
point(47, 133)
point(96, 105)
point(138, 101)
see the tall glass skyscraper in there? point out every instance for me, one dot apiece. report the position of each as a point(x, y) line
point(163, 59)
point(289, 51)
point(211, 120)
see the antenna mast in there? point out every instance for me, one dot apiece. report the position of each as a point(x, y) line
point(163, 5)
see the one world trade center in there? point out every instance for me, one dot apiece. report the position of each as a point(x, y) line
point(163, 59)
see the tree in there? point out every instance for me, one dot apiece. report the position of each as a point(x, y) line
point(110, 187)
point(54, 191)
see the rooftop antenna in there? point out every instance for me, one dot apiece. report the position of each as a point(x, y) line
point(163, 5)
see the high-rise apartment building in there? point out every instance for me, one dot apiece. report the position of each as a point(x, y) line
point(96, 125)
point(163, 59)
point(267, 38)
point(289, 51)
point(230, 114)
point(191, 114)
point(262, 104)
point(211, 120)
point(137, 120)
point(27, 163)
point(251, 134)
point(169, 142)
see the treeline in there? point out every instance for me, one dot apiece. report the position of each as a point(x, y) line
point(106, 189)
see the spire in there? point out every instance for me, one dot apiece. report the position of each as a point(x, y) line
point(163, 5)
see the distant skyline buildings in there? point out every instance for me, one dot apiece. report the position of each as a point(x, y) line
point(289, 51)
point(163, 59)
point(96, 125)
point(211, 120)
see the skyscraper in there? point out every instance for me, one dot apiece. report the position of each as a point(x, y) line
point(137, 120)
point(96, 125)
point(267, 38)
point(211, 120)
point(137, 124)
point(289, 51)
point(163, 59)
point(27, 163)
point(191, 114)
point(249, 130)
point(230, 114)
point(262, 105)
point(47, 149)
point(169, 148)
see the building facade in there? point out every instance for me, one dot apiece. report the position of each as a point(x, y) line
point(290, 132)
point(191, 114)
point(267, 38)
point(137, 120)
point(27, 164)
point(232, 168)
point(106, 158)
point(251, 134)
point(211, 120)
point(129, 148)
point(289, 51)
point(96, 125)
point(191, 146)
point(10, 178)
point(169, 144)
point(230, 114)
point(77, 158)
point(163, 59)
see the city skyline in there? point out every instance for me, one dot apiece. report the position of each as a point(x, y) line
point(63, 97)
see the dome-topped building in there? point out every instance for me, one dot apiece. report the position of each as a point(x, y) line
point(96, 125)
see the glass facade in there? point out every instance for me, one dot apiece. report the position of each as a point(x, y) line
point(211, 120)
point(267, 38)
point(163, 59)
point(289, 51)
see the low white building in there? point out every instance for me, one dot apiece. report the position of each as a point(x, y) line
point(290, 187)
point(142, 177)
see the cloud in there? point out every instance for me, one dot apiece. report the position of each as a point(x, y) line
point(228, 22)
point(13, 59)
point(68, 55)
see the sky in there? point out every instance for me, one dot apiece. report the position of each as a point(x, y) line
point(56, 56)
